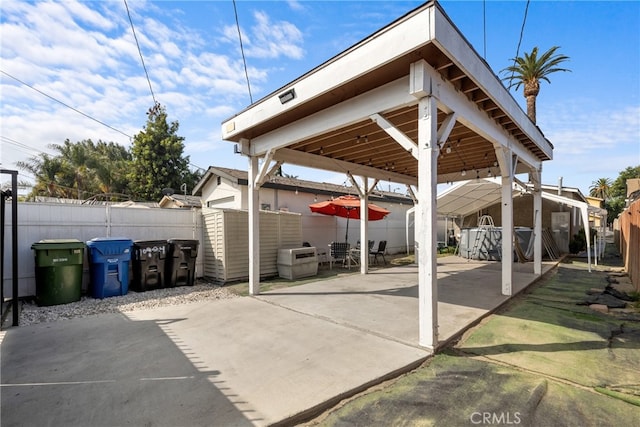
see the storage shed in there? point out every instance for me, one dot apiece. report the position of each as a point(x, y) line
point(226, 242)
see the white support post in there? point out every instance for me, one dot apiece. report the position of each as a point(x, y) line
point(426, 222)
point(254, 227)
point(536, 178)
point(364, 227)
point(507, 221)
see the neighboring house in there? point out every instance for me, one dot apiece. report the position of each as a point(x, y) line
point(180, 201)
point(595, 221)
point(224, 188)
point(633, 190)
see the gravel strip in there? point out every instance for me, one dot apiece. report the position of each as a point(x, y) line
point(133, 301)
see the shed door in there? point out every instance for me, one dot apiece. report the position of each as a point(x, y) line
point(560, 229)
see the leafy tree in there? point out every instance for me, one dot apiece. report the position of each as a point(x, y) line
point(616, 201)
point(45, 169)
point(157, 158)
point(79, 169)
point(110, 164)
point(619, 186)
point(75, 175)
point(527, 71)
point(600, 188)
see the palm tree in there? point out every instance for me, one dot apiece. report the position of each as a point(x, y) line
point(46, 170)
point(601, 188)
point(529, 70)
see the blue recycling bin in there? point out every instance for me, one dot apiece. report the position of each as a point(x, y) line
point(109, 266)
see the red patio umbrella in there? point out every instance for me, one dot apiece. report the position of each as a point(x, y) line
point(348, 207)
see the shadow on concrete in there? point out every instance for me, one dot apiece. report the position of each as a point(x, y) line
point(107, 370)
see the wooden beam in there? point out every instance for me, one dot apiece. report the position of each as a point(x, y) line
point(470, 116)
point(404, 141)
point(320, 162)
point(390, 96)
point(262, 173)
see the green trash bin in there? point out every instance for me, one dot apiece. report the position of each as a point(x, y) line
point(58, 271)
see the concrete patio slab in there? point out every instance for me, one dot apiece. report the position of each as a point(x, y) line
point(244, 361)
point(385, 302)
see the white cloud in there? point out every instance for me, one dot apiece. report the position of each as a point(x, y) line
point(574, 129)
point(268, 39)
point(295, 5)
point(273, 39)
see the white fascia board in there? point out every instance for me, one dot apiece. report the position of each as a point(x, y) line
point(379, 49)
point(475, 119)
point(321, 162)
point(450, 40)
point(390, 96)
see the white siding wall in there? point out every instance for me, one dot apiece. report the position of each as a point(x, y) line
point(321, 230)
point(58, 221)
point(227, 195)
point(227, 241)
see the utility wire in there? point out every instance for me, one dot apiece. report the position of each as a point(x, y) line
point(524, 21)
point(244, 61)
point(66, 105)
point(21, 146)
point(484, 28)
point(140, 52)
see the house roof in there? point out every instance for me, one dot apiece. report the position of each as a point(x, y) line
point(181, 200)
point(293, 184)
point(335, 118)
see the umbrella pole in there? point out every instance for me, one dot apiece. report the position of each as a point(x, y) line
point(346, 234)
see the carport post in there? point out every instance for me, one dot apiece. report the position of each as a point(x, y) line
point(254, 227)
point(507, 219)
point(537, 222)
point(364, 226)
point(426, 222)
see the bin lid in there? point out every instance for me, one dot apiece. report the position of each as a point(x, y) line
point(58, 244)
point(183, 241)
point(110, 239)
point(104, 242)
point(150, 242)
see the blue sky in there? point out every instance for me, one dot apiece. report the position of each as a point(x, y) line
point(83, 54)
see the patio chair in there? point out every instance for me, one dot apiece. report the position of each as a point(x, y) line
point(382, 246)
point(339, 252)
point(371, 243)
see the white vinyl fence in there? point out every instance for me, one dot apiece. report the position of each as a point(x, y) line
point(38, 221)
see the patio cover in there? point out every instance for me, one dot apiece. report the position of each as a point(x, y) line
point(414, 104)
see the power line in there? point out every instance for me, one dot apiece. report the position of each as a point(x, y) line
point(484, 28)
point(524, 21)
point(21, 146)
point(140, 52)
point(66, 105)
point(244, 61)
